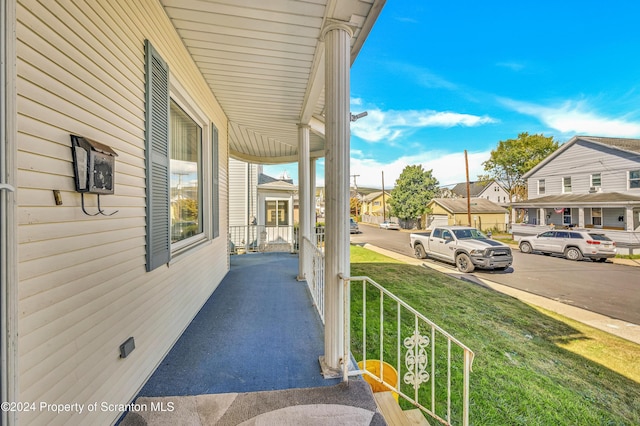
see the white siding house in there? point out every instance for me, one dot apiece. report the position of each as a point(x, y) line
point(243, 183)
point(174, 89)
point(591, 182)
point(491, 191)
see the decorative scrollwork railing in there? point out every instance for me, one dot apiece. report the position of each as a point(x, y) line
point(430, 367)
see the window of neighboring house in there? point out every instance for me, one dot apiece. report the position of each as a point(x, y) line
point(566, 184)
point(596, 216)
point(566, 217)
point(185, 139)
point(596, 180)
point(634, 179)
point(277, 212)
point(376, 203)
point(541, 186)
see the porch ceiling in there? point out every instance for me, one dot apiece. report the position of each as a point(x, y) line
point(264, 62)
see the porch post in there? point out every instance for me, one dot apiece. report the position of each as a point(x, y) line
point(303, 197)
point(543, 216)
point(629, 218)
point(580, 217)
point(337, 36)
point(312, 199)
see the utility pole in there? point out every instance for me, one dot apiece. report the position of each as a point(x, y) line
point(466, 163)
point(384, 203)
point(355, 184)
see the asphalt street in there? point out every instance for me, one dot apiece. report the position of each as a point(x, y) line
point(605, 288)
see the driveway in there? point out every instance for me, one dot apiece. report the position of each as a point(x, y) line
point(605, 288)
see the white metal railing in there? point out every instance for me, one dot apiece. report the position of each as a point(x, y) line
point(261, 238)
point(423, 377)
point(314, 274)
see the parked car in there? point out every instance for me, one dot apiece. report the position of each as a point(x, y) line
point(353, 227)
point(390, 225)
point(464, 246)
point(573, 244)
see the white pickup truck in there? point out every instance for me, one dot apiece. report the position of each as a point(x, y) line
point(464, 246)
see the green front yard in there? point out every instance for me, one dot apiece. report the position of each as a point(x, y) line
point(532, 367)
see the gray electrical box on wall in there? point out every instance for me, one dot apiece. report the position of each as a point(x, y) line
point(127, 347)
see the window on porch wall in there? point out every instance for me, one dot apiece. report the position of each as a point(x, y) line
point(566, 217)
point(596, 216)
point(186, 175)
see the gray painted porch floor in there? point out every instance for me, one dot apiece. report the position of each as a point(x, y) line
point(250, 356)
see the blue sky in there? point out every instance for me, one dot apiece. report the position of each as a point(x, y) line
point(439, 77)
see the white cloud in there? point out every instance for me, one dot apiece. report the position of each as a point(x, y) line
point(448, 168)
point(576, 117)
point(389, 125)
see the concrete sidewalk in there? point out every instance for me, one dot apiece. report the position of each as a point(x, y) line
point(616, 327)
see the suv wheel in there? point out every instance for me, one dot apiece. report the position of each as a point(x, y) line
point(525, 247)
point(464, 264)
point(573, 253)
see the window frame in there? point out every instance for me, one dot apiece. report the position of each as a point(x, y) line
point(600, 216)
point(635, 179)
point(183, 99)
point(599, 185)
point(564, 185)
point(542, 189)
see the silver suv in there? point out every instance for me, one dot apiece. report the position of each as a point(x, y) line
point(574, 244)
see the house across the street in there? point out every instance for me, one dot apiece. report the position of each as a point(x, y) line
point(589, 182)
point(485, 214)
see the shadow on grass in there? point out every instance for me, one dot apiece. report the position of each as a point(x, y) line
point(521, 376)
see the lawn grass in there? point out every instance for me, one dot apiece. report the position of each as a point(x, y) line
point(532, 367)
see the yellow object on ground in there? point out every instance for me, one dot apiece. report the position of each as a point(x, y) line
point(381, 370)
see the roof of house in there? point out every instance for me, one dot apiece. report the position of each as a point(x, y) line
point(459, 205)
point(279, 185)
point(475, 188)
point(623, 144)
point(374, 195)
point(596, 197)
point(262, 179)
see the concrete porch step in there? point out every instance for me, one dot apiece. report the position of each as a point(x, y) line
point(394, 415)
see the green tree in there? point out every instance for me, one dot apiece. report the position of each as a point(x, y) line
point(412, 191)
point(515, 157)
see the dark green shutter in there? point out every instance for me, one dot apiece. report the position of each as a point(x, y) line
point(157, 158)
point(215, 183)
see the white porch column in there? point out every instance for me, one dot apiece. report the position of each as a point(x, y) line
point(629, 218)
point(303, 197)
point(312, 199)
point(543, 217)
point(580, 217)
point(337, 38)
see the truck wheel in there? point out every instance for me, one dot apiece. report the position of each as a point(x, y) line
point(525, 247)
point(464, 264)
point(419, 252)
point(573, 253)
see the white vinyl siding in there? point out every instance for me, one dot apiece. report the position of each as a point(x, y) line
point(584, 159)
point(83, 285)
